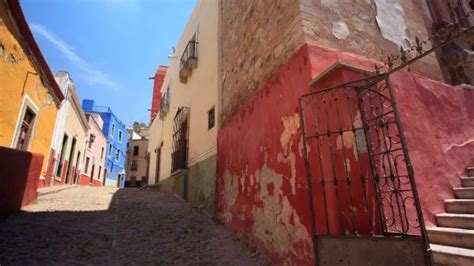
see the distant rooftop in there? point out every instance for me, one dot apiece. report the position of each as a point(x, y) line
point(90, 107)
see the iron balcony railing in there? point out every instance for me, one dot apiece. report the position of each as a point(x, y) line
point(165, 102)
point(188, 61)
point(189, 54)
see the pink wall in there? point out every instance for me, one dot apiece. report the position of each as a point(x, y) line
point(261, 184)
point(438, 120)
point(94, 153)
point(19, 175)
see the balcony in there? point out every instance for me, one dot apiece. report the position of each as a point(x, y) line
point(165, 103)
point(188, 61)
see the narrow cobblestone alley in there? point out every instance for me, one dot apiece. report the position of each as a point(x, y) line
point(88, 225)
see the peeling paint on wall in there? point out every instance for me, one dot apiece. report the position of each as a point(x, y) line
point(291, 125)
point(276, 224)
point(391, 21)
point(229, 194)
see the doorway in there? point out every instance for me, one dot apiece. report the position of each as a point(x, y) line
point(158, 163)
point(59, 168)
point(73, 147)
point(78, 160)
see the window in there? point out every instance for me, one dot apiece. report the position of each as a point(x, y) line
point(102, 153)
point(211, 118)
point(136, 150)
point(113, 130)
point(26, 128)
point(120, 136)
point(134, 166)
point(86, 167)
point(91, 139)
point(110, 150)
point(117, 155)
point(98, 173)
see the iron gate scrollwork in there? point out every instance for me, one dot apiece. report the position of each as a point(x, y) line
point(360, 178)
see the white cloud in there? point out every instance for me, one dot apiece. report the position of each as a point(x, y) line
point(93, 76)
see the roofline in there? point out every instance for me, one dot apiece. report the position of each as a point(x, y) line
point(20, 21)
point(77, 107)
point(339, 65)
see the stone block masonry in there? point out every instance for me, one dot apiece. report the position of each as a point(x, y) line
point(258, 37)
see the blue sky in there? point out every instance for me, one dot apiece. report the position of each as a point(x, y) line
point(110, 47)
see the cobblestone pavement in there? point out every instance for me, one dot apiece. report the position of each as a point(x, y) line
point(88, 225)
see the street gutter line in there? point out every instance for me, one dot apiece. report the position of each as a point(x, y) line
point(114, 234)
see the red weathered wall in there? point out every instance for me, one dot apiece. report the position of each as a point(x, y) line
point(19, 175)
point(96, 183)
point(438, 121)
point(261, 184)
point(84, 180)
point(46, 182)
point(156, 98)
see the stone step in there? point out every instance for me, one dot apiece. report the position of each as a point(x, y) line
point(470, 171)
point(467, 181)
point(457, 220)
point(464, 192)
point(448, 236)
point(459, 206)
point(447, 255)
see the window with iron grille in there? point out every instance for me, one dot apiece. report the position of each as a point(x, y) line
point(180, 139)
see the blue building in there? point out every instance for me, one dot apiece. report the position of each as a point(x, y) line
point(116, 133)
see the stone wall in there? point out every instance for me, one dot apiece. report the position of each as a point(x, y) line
point(370, 28)
point(257, 37)
point(457, 58)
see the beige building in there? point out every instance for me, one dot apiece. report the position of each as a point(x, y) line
point(136, 166)
point(183, 136)
point(70, 134)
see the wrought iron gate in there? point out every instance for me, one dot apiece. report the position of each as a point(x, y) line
point(360, 178)
point(359, 172)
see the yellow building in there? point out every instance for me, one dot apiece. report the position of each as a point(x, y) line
point(29, 95)
point(183, 137)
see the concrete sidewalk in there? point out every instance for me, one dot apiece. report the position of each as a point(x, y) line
point(54, 189)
